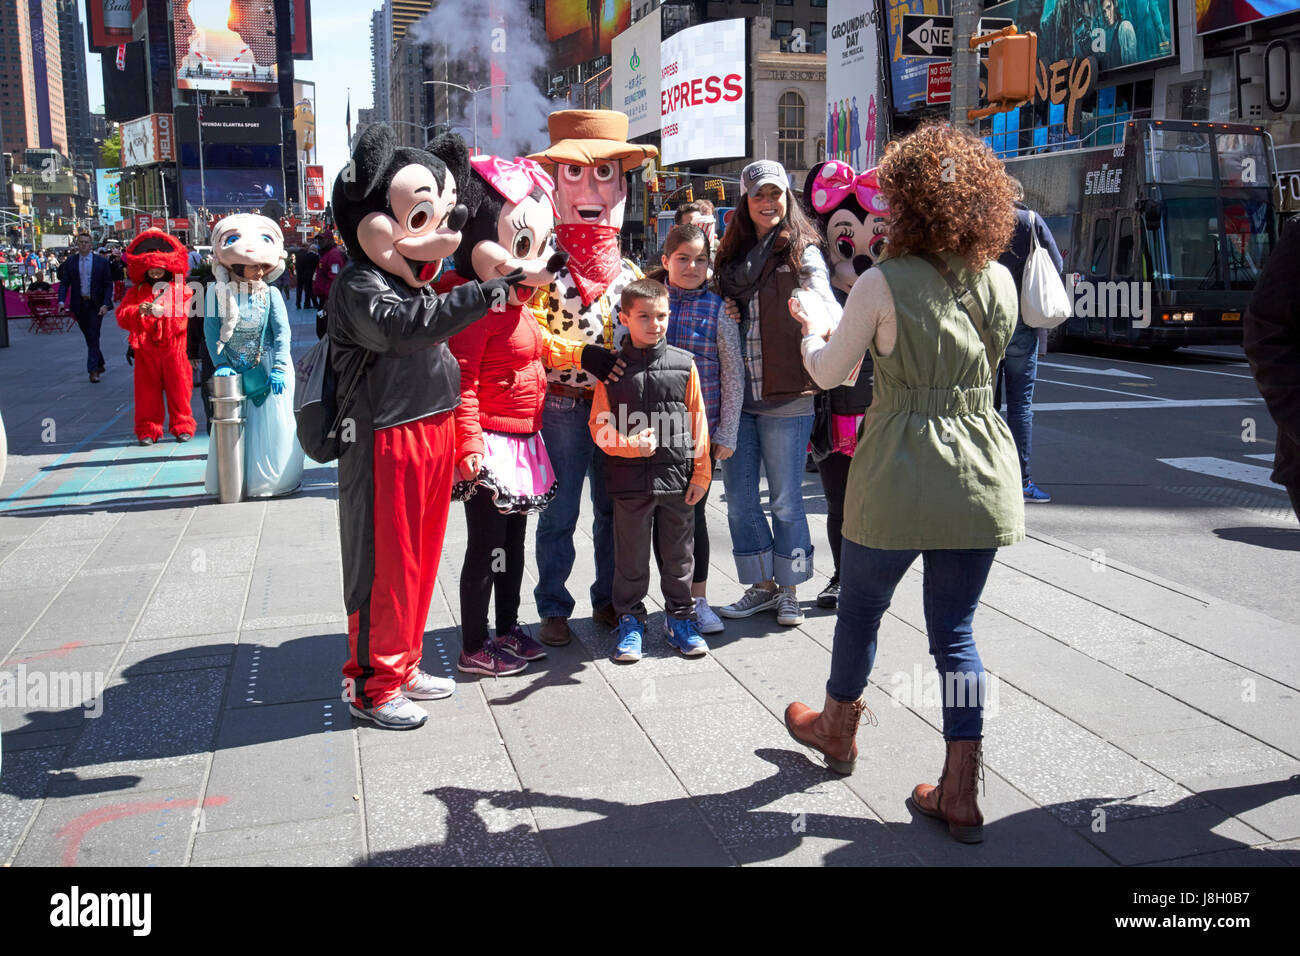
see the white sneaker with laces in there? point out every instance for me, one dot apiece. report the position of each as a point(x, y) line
point(709, 622)
point(788, 611)
point(427, 687)
point(398, 714)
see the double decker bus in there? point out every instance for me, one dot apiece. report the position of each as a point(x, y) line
point(1164, 233)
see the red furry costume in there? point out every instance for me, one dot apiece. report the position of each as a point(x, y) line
point(161, 367)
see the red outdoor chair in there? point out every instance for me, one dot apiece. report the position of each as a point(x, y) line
point(48, 313)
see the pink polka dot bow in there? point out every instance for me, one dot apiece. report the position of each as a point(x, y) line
point(514, 180)
point(836, 181)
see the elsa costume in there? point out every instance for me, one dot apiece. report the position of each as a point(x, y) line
point(248, 331)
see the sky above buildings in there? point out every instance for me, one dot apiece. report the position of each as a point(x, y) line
point(341, 60)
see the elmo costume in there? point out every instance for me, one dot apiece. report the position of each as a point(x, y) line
point(155, 315)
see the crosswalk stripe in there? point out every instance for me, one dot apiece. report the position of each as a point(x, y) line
point(1144, 403)
point(1224, 468)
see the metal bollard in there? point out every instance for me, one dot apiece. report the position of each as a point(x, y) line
point(228, 436)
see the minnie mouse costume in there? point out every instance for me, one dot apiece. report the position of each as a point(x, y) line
point(398, 214)
point(162, 371)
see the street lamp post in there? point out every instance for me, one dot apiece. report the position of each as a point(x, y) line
point(473, 91)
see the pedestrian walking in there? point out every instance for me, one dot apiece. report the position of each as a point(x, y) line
point(652, 428)
point(305, 261)
point(698, 323)
point(768, 254)
point(940, 480)
point(1019, 367)
point(87, 283)
point(1271, 331)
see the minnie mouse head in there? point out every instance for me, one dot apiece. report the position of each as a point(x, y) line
point(852, 214)
point(512, 215)
point(398, 208)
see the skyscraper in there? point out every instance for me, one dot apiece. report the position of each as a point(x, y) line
point(76, 96)
point(47, 75)
point(381, 57)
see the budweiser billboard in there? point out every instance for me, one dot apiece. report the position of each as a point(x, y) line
point(108, 22)
point(149, 139)
point(314, 184)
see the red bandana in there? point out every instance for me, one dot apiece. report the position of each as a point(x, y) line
point(593, 257)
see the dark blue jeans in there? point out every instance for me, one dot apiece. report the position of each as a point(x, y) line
point(574, 457)
point(1019, 369)
point(952, 586)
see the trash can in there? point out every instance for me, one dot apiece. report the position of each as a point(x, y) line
point(228, 436)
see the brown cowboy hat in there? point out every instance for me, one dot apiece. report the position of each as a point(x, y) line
point(587, 137)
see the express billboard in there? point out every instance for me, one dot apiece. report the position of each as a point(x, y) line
point(581, 30)
point(702, 93)
point(225, 46)
point(1219, 14)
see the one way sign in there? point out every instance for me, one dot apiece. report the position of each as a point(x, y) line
point(926, 34)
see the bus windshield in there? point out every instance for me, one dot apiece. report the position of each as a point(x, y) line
point(1192, 240)
point(1245, 223)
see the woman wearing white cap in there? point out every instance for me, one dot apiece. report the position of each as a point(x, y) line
point(769, 253)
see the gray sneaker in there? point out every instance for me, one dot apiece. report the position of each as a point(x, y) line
point(398, 714)
point(788, 611)
point(756, 599)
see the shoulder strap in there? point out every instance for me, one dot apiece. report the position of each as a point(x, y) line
point(965, 299)
point(1034, 244)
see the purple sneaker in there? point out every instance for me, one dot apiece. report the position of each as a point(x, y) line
point(490, 661)
point(518, 642)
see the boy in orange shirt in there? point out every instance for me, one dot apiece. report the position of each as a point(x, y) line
point(651, 426)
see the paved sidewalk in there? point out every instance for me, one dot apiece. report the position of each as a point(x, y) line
point(1131, 721)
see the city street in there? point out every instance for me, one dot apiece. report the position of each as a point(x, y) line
point(170, 667)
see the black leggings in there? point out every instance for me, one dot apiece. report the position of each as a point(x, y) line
point(494, 556)
point(834, 470)
point(701, 540)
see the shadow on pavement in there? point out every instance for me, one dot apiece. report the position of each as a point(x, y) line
point(1278, 539)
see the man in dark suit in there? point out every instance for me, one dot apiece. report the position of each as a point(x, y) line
point(1271, 333)
point(87, 286)
point(305, 260)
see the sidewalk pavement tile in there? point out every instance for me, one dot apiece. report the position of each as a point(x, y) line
point(212, 518)
point(1266, 799)
point(607, 844)
point(1242, 857)
point(31, 567)
point(130, 777)
point(1210, 750)
point(1171, 836)
point(305, 669)
point(204, 555)
point(115, 829)
point(26, 780)
point(227, 846)
point(65, 529)
point(54, 691)
point(132, 547)
point(654, 801)
point(1260, 707)
point(196, 605)
point(100, 609)
point(347, 853)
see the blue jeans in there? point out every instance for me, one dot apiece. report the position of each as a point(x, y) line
point(1019, 369)
point(574, 457)
point(952, 586)
point(784, 549)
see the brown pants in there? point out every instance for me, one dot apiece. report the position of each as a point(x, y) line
point(673, 521)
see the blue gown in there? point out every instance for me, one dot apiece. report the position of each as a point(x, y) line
point(273, 459)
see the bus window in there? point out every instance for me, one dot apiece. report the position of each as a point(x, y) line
point(1123, 268)
point(1179, 156)
point(1100, 245)
point(1192, 239)
point(1242, 159)
point(1246, 226)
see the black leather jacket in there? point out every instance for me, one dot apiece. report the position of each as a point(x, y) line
point(375, 317)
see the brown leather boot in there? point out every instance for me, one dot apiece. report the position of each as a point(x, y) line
point(955, 798)
point(555, 631)
point(834, 731)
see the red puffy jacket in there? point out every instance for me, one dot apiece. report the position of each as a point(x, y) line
point(502, 379)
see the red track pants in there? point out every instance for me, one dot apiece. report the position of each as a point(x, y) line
point(163, 372)
point(412, 479)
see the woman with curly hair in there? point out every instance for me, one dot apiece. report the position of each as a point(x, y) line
point(942, 480)
point(769, 255)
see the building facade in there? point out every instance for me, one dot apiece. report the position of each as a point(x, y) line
point(381, 56)
point(76, 95)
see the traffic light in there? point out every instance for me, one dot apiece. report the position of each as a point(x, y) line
point(1011, 64)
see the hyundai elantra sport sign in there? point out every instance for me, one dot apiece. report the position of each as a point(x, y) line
point(702, 93)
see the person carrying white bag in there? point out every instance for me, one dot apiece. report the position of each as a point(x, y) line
point(1034, 262)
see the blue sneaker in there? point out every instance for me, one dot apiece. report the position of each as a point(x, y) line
point(629, 639)
point(1034, 493)
point(683, 634)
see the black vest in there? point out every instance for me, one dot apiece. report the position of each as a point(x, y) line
point(652, 394)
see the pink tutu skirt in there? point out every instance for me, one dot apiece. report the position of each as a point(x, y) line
point(844, 433)
point(516, 471)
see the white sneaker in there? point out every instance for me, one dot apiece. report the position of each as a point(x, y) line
point(709, 622)
point(788, 611)
point(398, 714)
point(427, 687)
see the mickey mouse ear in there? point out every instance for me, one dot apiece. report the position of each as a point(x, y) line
point(370, 158)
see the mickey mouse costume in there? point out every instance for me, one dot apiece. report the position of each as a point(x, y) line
point(398, 215)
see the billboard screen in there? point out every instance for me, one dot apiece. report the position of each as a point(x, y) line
point(304, 118)
point(231, 190)
point(242, 125)
point(581, 30)
point(1116, 32)
point(314, 187)
point(636, 73)
point(108, 22)
point(149, 139)
point(702, 93)
point(108, 198)
point(908, 73)
point(126, 91)
point(300, 29)
point(853, 107)
point(1218, 14)
point(225, 46)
